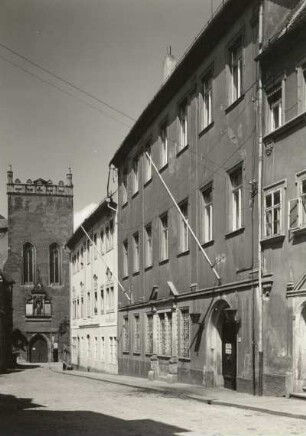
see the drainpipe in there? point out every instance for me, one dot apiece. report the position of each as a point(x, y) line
point(260, 171)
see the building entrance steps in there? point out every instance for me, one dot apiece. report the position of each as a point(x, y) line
point(289, 407)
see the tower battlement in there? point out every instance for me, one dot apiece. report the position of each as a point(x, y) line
point(39, 186)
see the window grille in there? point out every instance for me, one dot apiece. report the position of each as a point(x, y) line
point(184, 332)
point(149, 343)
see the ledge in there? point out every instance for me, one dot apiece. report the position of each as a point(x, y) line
point(299, 231)
point(208, 243)
point(147, 183)
point(184, 359)
point(124, 205)
point(183, 253)
point(164, 167)
point(233, 233)
point(135, 194)
point(162, 262)
point(285, 128)
point(234, 104)
point(206, 129)
point(181, 151)
point(136, 273)
point(147, 268)
point(273, 239)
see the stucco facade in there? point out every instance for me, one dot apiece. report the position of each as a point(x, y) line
point(93, 296)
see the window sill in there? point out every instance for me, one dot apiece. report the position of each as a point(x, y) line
point(234, 104)
point(125, 352)
point(235, 232)
point(147, 183)
point(299, 231)
point(184, 359)
point(273, 239)
point(163, 356)
point(147, 268)
point(125, 277)
point(183, 253)
point(208, 243)
point(164, 167)
point(135, 194)
point(136, 273)
point(110, 311)
point(181, 150)
point(124, 204)
point(206, 129)
point(285, 128)
point(136, 353)
point(162, 262)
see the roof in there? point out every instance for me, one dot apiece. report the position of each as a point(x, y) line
point(203, 44)
point(293, 21)
point(103, 209)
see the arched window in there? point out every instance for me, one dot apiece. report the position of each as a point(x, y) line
point(28, 263)
point(54, 255)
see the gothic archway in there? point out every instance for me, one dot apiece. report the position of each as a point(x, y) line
point(38, 349)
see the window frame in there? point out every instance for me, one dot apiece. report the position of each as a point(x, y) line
point(271, 189)
point(54, 249)
point(125, 258)
point(136, 252)
point(135, 175)
point(206, 113)
point(183, 124)
point(29, 263)
point(236, 221)
point(236, 91)
point(271, 104)
point(183, 228)
point(147, 167)
point(181, 339)
point(207, 214)
point(163, 138)
point(164, 237)
point(124, 186)
point(148, 245)
point(136, 334)
point(125, 336)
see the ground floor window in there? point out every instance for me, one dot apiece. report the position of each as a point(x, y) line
point(184, 333)
point(149, 334)
point(102, 350)
point(165, 333)
point(113, 349)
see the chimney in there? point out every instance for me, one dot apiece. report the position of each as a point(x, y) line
point(10, 175)
point(169, 64)
point(69, 178)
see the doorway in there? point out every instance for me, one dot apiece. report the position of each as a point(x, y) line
point(38, 350)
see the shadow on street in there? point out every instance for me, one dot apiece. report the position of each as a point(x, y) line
point(16, 419)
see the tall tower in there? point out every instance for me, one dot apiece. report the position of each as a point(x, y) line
point(40, 221)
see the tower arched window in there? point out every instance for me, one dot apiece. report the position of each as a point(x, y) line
point(28, 263)
point(54, 255)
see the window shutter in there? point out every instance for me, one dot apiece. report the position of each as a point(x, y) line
point(293, 213)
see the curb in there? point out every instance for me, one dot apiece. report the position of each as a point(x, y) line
point(208, 401)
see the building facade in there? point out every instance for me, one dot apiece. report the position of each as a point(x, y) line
point(93, 297)
point(283, 65)
point(191, 319)
point(6, 285)
point(40, 220)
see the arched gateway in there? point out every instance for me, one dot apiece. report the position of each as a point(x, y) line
point(38, 349)
point(221, 347)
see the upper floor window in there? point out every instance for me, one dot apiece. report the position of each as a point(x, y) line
point(163, 237)
point(95, 246)
point(88, 250)
point(110, 299)
point(135, 175)
point(147, 163)
point(183, 125)
point(275, 106)
point(236, 70)
point(125, 255)
point(207, 214)
point(236, 198)
point(163, 134)
point(124, 186)
point(206, 105)
point(28, 263)
point(136, 253)
point(148, 245)
point(183, 227)
point(273, 212)
point(54, 256)
point(102, 242)
point(297, 206)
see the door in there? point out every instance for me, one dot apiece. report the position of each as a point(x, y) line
point(229, 353)
point(39, 350)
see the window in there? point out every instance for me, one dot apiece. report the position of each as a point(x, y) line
point(273, 207)
point(297, 206)
point(148, 245)
point(183, 125)
point(125, 336)
point(275, 107)
point(54, 267)
point(82, 257)
point(110, 302)
point(102, 301)
point(165, 333)
point(113, 349)
point(88, 250)
point(136, 252)
point(102, 241)
point(107, 238)
point(124, 187)
point(82, 308)
point(207, 214)
point(206, 106)
point(183, 227)
point(149, 334)
point(236, 198)
point(163, 145)
point(102, 349)
point(28, 263)
point(95, 245)
point(111, 234)
point(135, 175)
point(88, 305)
point(136, 334)
point(164, 237)
point(96, 303)
point(147, 164)
point(125, 263)
point(96, 348)
point(236, 70)
point(184, 332)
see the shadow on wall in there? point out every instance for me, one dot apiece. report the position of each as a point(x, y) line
point(17, 419)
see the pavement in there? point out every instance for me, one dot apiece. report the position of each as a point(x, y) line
point(280, 406)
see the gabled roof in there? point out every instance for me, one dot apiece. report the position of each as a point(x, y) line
point(203, 44)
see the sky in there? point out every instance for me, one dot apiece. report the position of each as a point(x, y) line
point(112, 50)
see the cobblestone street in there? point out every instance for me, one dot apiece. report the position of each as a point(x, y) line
point(38, 401)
